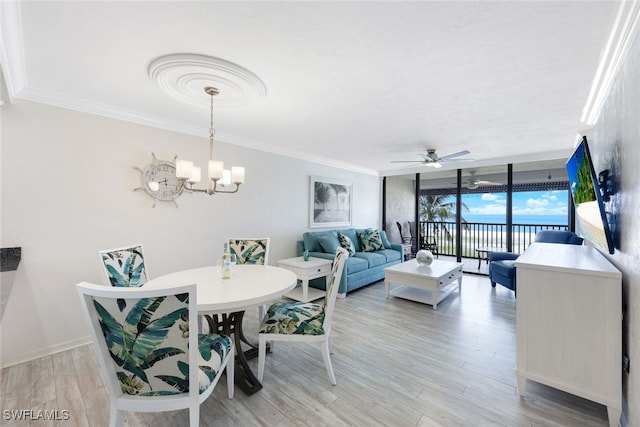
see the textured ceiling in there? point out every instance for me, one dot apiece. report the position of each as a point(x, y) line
point(352, 83)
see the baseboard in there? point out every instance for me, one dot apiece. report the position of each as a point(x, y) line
point(27, 357)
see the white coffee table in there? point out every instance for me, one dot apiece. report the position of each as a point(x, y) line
point(305, 271)
point(429, 284)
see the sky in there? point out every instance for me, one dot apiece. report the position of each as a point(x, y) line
point(524, 203)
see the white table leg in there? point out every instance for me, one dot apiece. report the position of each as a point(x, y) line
point(386, 288)
point(460, 284)
point(614, 416)
point(522, 381)
point(305, 289)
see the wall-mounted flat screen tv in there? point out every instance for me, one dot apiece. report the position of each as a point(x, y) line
point(591, 218)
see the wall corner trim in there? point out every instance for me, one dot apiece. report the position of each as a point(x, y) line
point(624, 29)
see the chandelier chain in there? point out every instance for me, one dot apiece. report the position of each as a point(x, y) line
point(212, 130)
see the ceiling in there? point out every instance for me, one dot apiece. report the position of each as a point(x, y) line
point(351, 84)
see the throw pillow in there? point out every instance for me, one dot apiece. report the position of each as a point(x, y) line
point(370, 240)
point(385, 240)
point(329, 242)
point(346, 243)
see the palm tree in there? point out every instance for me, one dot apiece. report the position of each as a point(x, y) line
point(438, 208)
point(339, 189)
point(321, 194)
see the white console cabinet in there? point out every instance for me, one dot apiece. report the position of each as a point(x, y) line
point(569, 323)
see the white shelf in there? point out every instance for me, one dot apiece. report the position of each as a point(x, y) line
point(313, 294)
point(422, 295)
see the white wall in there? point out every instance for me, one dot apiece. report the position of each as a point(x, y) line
point(66, 192)
point(615, 145)
point(401, 197)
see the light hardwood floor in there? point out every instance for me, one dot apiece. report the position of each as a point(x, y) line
point(398, 363)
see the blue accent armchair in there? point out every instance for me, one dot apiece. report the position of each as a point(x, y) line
point(502, 269)
point(501, 264)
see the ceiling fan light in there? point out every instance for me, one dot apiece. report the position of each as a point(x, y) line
point(435, 165)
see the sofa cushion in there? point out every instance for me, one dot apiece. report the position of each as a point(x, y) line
point(311, 242)
point(385, 240)
point(329, 242)
point(346, 243)
point(390, 254)
point(355, 265)
point(352, 234)
point(310, 239)
point(373, 258)
point(370, 240)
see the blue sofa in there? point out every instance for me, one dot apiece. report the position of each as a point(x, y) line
point(361, 269)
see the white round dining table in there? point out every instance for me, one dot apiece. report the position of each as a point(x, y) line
point(224, 301)
point(249, 286)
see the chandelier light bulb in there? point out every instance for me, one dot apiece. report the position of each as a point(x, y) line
point(189, 174)
point(215, 169)
point(195, 176)
point(237, 174)
point(184, 169)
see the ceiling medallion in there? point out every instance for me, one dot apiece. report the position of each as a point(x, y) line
point(182, 76)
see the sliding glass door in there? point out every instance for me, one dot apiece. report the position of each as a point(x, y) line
point(465, 214)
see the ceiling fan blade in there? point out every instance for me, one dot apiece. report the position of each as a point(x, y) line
point(458, 154)
point(431, 159)
point(457, 160)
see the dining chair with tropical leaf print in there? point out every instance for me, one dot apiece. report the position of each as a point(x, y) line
point(303, 321)
point(151, 356)
point(251, 251)
point(124, 266)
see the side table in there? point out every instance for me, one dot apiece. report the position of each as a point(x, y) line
point(406, 251)
point(486, 250)
point(305, 271)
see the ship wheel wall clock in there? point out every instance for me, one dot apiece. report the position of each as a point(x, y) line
point(158, 180)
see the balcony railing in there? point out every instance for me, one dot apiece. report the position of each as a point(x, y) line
point(477, 235)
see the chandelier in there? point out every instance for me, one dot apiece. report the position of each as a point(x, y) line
point(189, 174)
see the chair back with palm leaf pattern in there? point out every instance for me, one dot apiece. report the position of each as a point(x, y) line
point(333, 283)
point(151, 347)
point(124, 267)
point(250, 250)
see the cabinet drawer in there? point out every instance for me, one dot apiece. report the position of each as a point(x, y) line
point(323, 269)
point(451, 277)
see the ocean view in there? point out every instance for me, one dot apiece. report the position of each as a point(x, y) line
point(517, 219)
point(480, 234)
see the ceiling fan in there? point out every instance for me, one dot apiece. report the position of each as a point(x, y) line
point(472, 182)
point(430, 158)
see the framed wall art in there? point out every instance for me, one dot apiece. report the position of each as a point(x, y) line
point(330, 202)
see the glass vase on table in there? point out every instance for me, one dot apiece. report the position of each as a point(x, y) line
point(225, 266)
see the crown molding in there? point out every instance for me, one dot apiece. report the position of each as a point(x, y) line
point(57, 99)
point(11, 48)
point(48, 97)
point(260, 146)
point(615, 52)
